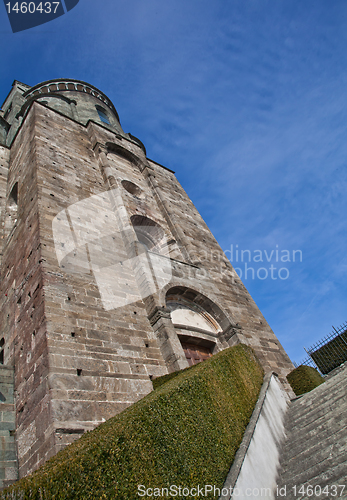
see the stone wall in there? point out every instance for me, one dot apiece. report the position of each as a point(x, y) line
point(254, 471)
point(8, 452)
point(4, 162)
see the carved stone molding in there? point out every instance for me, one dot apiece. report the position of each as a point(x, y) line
point(157, 314)
point(230, 332)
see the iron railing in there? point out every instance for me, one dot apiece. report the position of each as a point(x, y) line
point(329, 352)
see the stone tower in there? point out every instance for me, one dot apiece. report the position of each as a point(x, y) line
point(109, 275)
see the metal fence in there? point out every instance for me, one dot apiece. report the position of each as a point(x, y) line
point(328, 353)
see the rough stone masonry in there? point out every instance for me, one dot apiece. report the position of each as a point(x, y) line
point(109, 275)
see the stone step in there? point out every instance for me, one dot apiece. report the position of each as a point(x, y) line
point(314, 412)
point(315, 451)
point(331, 448)
point(326, 474)
point(310, 466)
point(326, 399)
point(318, 430)
point(303, 404)
point(336, 371)
point(333, 383)
point(321, 393)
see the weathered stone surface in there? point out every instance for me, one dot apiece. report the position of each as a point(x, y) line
point(8, 450)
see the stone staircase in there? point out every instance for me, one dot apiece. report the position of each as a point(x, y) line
point(315, 451)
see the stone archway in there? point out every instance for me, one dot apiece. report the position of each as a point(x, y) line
point(198, 323)
point(207, 325)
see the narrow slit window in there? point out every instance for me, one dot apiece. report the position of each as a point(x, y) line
point(9, 109)
point(2, 349)
point(12, 209)
point(13, 199)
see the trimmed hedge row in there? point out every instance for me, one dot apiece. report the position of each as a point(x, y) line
point(159, 381)
point(185, 433)
point(304, 378)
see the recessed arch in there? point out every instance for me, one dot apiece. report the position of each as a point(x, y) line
point(148, 232)
point(120, 151)
point(186, 294)
point(187, 314)
point(199, 323)
point(44, 96)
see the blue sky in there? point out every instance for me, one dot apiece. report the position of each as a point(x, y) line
point(247, 101)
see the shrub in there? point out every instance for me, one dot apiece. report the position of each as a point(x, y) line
point(304, 379)
point(184, 433)
point(159, 381)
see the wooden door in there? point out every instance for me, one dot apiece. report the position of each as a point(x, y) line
point(195, 353)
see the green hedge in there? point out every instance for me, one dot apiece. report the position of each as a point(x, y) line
point(185, 433)
point(159, 381)
point(304, 379)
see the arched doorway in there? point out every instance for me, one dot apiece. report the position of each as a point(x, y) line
point(197, 322)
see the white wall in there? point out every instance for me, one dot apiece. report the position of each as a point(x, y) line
point(258, 474)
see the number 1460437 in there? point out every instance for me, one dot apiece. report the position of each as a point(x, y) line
point(31, 7)
point(333, 490)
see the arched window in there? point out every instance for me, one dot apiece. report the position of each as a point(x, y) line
point(148, 232)
point(103, 115)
